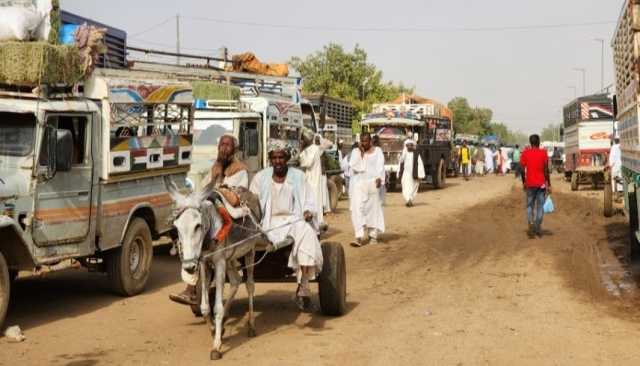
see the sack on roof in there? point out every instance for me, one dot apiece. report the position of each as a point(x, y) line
point(248, 62)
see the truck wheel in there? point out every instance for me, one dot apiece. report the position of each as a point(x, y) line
point(128, 267)
point(5, 289)
point(608, 196)
point(634, 246)
point(333, 195)
point(332, 281)
point(574, 181)
point(439, 176)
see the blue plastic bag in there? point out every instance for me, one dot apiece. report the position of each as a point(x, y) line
point(548, 205)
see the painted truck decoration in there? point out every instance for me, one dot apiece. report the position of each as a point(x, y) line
point(81, 177)
point(588, 128)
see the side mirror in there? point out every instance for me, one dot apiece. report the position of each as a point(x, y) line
point(64, 150)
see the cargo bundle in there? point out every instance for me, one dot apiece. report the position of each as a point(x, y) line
point(207, 90)
point(36, 63)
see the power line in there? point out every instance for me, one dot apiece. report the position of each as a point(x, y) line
point(402, 29)
point(153, 27)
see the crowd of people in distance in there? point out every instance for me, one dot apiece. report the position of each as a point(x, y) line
point(475, 159)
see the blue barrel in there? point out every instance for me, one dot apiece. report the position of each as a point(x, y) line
point(68, 34)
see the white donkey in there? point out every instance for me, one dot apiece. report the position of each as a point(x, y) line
point(197, 221)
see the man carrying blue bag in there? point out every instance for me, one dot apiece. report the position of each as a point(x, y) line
point(535, 179)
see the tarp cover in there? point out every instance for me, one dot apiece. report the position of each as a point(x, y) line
point(248, 62)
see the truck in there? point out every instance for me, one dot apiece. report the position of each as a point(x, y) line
point(588, 127)
point(626, 55)
point(426, 121)
point(81, 175)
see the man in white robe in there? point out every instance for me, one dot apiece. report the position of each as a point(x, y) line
point(311, 164)
point(289, 210)
point(488, 159)
point(226, 171)
point(367, 179)
point(615, 164)
point(411, 172)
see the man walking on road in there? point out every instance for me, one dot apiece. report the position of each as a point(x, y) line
point(411, 172)
point(536, 182)
point(465, 159)
point(615, 164)
point(368, 176)
point(516, 161)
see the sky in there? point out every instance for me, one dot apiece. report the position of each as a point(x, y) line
point(444, 49)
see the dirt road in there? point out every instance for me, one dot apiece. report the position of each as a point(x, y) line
point(456, 282)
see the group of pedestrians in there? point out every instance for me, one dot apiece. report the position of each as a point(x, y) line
point(483, 159)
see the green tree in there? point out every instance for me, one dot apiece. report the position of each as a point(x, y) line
point(467, 119)
point(346, 75)
point(551, 132)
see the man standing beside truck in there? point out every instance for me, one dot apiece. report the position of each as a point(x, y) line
point(226, 171)
point(536, 182)
point(615, 164)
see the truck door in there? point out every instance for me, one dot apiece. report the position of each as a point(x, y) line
point(251, 145)
point(63, 207)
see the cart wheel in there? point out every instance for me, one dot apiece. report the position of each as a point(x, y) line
point(332, 282)
point(5, 289)
point(608, 196)
point(574, 181)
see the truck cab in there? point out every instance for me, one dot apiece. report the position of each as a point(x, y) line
point(81, 175)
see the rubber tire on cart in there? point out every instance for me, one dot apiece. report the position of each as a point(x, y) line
point(608, 195)
point(575, 177)
point(332, 281)
point(634, 246)
point(333, 195)
point(5, 289)
point(128, 266)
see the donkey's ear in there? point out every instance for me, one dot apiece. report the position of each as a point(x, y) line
point(206, 191)
point(175, 194)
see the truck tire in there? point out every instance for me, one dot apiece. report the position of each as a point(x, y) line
point(128, 266)
point(575, 177)
point(634, 246)
point(439, 176)
point(5, 289)
point(332, 281)
point(608, 196)
point(333, 195)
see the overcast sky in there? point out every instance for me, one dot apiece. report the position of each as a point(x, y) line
point(523, 75)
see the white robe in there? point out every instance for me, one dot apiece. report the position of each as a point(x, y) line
point(285, 206)
point(410, 186)
point(488, 160)
point(615, 163)
point(311, 163)
point(365, 198)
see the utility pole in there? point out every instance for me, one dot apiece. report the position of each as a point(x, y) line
point(178, 38)
point(584, 79)
point(601, 64)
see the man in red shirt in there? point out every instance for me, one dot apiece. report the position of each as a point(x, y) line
point(534, 163)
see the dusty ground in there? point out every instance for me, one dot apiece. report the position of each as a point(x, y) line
point(456, 282)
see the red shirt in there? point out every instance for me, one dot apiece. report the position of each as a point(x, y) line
point(534, 160)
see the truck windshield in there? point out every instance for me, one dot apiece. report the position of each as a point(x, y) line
point(17, 133)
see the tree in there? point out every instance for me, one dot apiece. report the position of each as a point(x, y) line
point(551, 132)
point(476, 120)
point(346, 75)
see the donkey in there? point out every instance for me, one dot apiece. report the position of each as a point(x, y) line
point(196, 221)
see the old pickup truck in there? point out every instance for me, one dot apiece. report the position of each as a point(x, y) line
point(81, 175)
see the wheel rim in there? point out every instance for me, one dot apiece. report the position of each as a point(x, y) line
point(135, 254)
